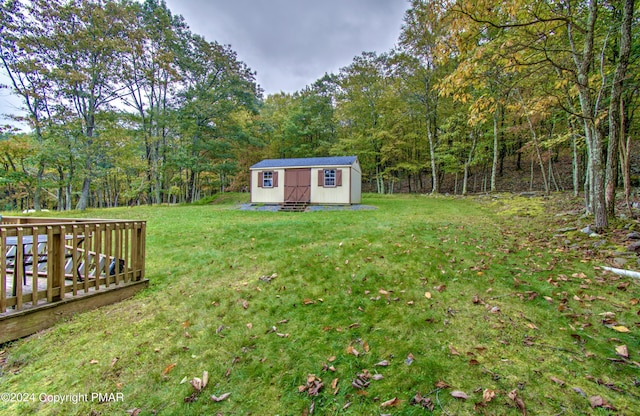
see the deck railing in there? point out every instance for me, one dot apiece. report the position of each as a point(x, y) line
point(45, 260)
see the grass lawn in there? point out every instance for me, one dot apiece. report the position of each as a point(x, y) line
point(422, 306)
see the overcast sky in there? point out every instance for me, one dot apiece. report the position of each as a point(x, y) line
point(292, 43)
point(289, 43)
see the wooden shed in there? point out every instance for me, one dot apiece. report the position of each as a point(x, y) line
point(316, 180)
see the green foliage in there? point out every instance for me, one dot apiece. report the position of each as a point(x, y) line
point(471, 88)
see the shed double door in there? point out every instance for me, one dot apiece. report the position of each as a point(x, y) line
point(297, 185)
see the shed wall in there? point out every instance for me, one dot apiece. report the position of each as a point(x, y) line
point(332, 195)
point(261, 195)
point(356, 184)
point(348, 193)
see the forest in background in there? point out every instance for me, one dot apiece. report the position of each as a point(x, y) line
point(127, 106)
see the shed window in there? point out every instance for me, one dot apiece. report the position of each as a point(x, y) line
point(329, 178)
point(267, 179)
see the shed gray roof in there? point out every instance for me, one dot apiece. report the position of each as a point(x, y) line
point(307, 161)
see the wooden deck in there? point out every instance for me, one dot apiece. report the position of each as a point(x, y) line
point(50, 268)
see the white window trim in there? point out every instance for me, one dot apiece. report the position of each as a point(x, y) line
point(330, 175)
point(267, 179)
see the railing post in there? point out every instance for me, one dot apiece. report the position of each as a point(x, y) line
point(108, 245)
point(56, 241)
point(97, 249)
point(18, 269)
point(3, 271)
point(35, 263)
point(138, 251)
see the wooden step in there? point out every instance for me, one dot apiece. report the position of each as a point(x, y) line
point(294, 207)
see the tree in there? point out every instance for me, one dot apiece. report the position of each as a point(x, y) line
point(616, 121)
point(217, 85)
point(424, 31)
point(563, 38)
point(150, 74)
point(74, 51)
point(28, 76)
point(362, 87)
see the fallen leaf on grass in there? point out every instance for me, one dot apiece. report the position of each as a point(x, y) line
point(310, 410)
point(579, 391)
point(94, 362)
point(441, 384)
point(114, 361)
point(362, 380)
point(352, 351)
point(220, 398)
point(598, 401)
point(377, 377)
point(622, 351)
point(427, 295)
point(425, 402)
point(200, 383)
point(268, 278)
point(513, 395)
point(134, 412)
point(620, 328)
point(390, 403)
point(334, 383)
point(313, 386)
point(196, 383)
point(453, 351)
point(488, 395)
point(383, 363)
point(168, 368)
point(557, 381)
point(459, 394)
point(308, 301)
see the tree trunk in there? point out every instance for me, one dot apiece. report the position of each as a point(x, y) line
point(37, 193)
point(625, 157)
point(614, 108)
point(599, 205)
point(83, 202)
point(595, 166)
point(434, 173)
point(575, 166)
point(494, 166)
point(467, 163)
